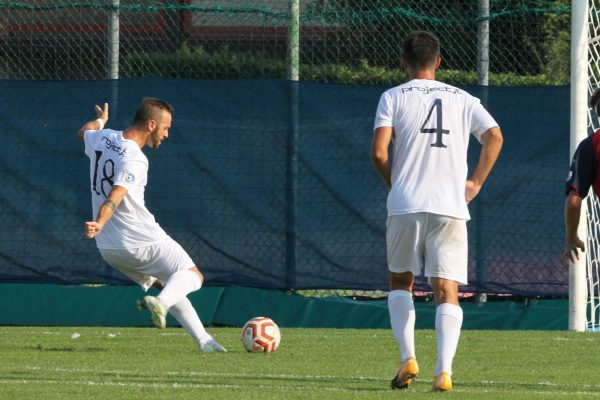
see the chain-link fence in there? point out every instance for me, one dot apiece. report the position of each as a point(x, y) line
point(518, 42)
point(351, 41)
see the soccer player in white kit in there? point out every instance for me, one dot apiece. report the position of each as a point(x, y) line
point(429, 124)
point(127, 236)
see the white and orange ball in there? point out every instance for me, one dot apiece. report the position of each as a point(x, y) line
point(261, 335)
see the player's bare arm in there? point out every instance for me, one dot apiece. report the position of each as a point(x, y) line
point(106, 211)
point(380, 158)
point(572, 213)
point(491, 145)
point(96, 124)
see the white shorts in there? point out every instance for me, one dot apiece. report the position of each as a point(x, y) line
point(436, 242)
point(145, 265)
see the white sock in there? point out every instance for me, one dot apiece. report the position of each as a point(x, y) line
point(448, 321)
point(179, 285)
point(188, 318)
point(402, 318)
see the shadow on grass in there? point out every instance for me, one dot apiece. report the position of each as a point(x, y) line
point(41, 347)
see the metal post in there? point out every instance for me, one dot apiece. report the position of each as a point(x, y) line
point(578, 128)
point(292, 142)
point(113, 40)
point(483, 64)
point(113, 58)
point(294, 41)
point(483, 43)
point(291, 180)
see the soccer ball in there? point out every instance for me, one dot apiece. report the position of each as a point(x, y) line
point(261, 335)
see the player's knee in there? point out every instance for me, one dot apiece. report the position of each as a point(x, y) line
point(402, 281)
point(197, 272)
point(442, 297)
point(445, 291)
point(158, 285)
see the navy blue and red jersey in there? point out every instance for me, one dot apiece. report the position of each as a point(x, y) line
point(584, 171)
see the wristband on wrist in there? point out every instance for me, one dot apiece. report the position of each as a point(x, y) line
point(100, 122)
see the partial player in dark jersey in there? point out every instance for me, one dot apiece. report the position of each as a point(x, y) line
point(583, 174)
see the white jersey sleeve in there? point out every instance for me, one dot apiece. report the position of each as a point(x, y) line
point(481, 120)
point(130, 174)
point(383, 116)
point(89, 139)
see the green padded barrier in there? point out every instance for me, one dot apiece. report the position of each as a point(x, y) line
point(55, 305)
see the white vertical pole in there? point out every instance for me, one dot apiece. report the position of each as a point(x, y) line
point(483, 43)
point(579, 108)
point(113, 40)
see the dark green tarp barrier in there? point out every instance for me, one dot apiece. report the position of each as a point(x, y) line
point(262, 201)
point(56, 305)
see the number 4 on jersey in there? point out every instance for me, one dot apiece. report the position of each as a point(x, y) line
point(438, 130)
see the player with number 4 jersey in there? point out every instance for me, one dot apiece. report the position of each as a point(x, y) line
point(429, 123)
point(434, 121)
point(126, 234)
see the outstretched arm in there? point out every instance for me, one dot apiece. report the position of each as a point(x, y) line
point(491, 146)
point(96, 124)
point(572, 214)
point(106, 211)
point(380, 153)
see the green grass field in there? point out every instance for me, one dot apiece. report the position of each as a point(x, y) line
point(146, 363)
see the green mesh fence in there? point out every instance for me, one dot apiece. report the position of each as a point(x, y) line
point(349, 41)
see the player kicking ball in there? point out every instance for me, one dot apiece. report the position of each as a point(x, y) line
point(127, 236)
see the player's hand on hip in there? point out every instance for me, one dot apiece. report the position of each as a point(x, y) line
point(571, 252)
point(91, 229)
point(471, 190)
point(102, 113)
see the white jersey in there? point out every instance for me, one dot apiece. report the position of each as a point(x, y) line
point(115, 160)
point(432, 123)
